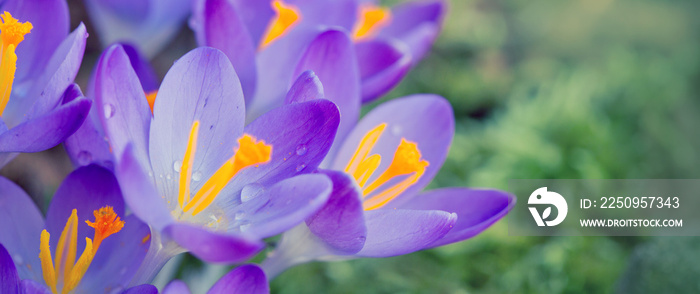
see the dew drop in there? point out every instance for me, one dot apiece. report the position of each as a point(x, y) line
point(244, 227)
point(177, 166)
point(301, 149)
point(197, 176)
point(168, 177)
point(251, 191)
point(109, 110)
point(18, 259)
point(240, 215)
point(396, 130)
point(300, 167)
point(84, 157)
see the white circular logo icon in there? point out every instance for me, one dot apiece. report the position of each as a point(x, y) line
point(542, 196)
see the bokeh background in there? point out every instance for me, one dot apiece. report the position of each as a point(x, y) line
point(540, 89)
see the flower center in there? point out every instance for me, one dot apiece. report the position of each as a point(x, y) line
point(66, 272)
point(286, 17)
point(11, 33)
point(407, 161)
point(249, 152)
point(370, 21)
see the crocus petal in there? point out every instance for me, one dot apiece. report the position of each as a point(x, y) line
point(307, 87)
point(33, 287)
point(21, 227)
point(392, 232)
point(203, 86)
point(86, 189)
point(424, 119)
point(176, 287)
point(134, 10)
point(59, 73)
point(331, 56)
point(50, 25)
point(9, 279)
point(88, 144)
point(218, 24)
point(382, 63)
point(46, 131)
point(256, 15)
point(118, 258)
point(417, 24)
point(245, 279)
point(143, 69)
point(140, 193)
point(300, 135)
point(214, 247)
point(340, 223)
point(341, 13)
point(142, 289)
point(285, 205)
point(126, 116)
point(476, 209)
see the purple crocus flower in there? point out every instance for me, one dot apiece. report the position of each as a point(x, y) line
point(376, 208)
point(193, 172)
point(245, 279)
point(40, 60)
point(49, 255)
point(148, 24)
point(265, 40)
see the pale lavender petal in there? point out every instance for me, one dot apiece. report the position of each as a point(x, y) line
point(256, 15)
point(300, 134)
point(203, 86)
point(46, 131)
point(382, 63)
point(21, 227)
point(424, 119)
point(33, 287)
point(140, 193)
point(340, 223)
point(307, 87)
point(142, 289)
point(59, 73)
point(88, 144)
point(86, 189)
point(50, 22)
point(331, 55)
point(245, 279)
point(9, 279)
point(144, 70)
point(214, 247)
point(176, 287)
point(341, 13)
point(218, 24)
point(417, 24)
point(121, 101)
point(133, 10)
point(476, 209)
point(284, 205)
point(118, 258)
point(392, 232)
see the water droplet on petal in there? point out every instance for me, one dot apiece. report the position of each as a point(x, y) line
point(396, 130)
point(301, 149)
point(109, 110)
point(18, 259)
point(177, 166)
point(251, 191)
point(244, 226)
point(240, 215)
point(168, 177)
point(84, 157)
point(300, 167)
point(197, 176)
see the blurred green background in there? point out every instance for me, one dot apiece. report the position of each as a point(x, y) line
point(540, 89)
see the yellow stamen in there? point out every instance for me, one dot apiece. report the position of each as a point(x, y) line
point(145, 239)
point(47, 262)
point(186, 169)
point(11, 33)
point(106, 223)
point(372, 18)
point(407, 161)
point(151, 98)
point(287, 17)
point(250, 152)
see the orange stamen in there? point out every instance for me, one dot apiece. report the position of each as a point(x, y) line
point(11, 33)
point(287, 17)
point(186, 169)
point(370, 21)
point(106, 223)
point(151, 98)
